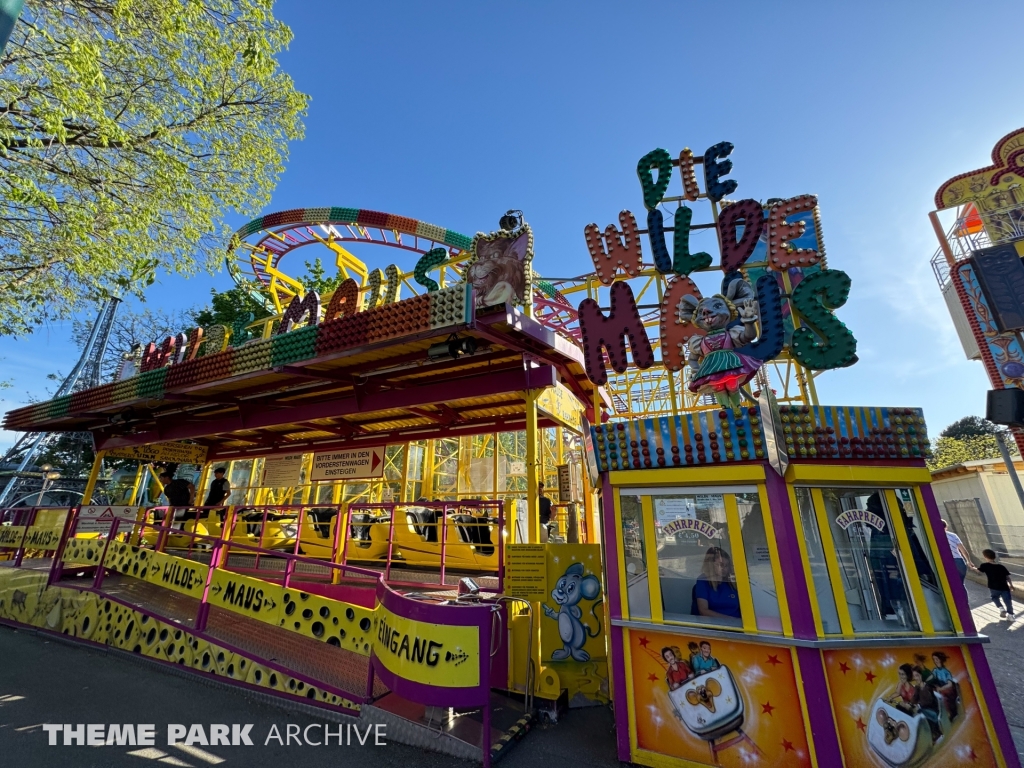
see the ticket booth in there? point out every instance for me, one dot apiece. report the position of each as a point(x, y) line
point(802, 618)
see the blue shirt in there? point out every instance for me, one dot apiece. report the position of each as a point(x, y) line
point(724, 600)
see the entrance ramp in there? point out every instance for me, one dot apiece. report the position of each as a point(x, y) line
point(282, 635)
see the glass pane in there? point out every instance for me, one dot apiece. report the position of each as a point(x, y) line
point(872, 574)
point(638, 597)
point(924, 564)
point(819, 570)
point(698, 582)
point(759, 562)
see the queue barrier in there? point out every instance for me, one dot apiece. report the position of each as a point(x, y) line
point(423, 647)
point(441, 537)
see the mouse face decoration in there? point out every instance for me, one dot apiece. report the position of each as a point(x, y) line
point(893, 729)
point(573, 586)
point(500, 271)
point(705, 694)
point(711, 314)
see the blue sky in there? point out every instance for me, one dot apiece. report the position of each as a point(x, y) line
point(454, 112)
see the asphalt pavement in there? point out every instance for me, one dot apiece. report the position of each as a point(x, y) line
point(48, 681)
point(1004, 652)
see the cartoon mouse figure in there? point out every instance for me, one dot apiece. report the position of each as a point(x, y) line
point(572, 587)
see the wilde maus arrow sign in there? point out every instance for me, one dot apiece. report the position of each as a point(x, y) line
point(355, 464)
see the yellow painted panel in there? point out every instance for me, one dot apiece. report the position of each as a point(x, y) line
point(431, 654)
point(740, 473)
point(250, 597)
point(11, 535)
point(330, 621)
point(43, 537)
point(842, 474)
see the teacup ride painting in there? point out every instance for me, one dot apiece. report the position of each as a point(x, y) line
point(710, 706)
point(905, 735)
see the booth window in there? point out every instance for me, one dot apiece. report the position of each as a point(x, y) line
point(696, 571)
point(924, 563)
point(638, 597)
point(819, 567)
point(868, 562)
point(759, 562)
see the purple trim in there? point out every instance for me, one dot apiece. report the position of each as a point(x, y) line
point(614, 592)
point(502, 382)
point(819, 708)
point(931, 510)
point(433, 613)
point(990, 695)
point(794, 579)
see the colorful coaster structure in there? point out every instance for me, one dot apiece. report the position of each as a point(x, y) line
point(462, 495)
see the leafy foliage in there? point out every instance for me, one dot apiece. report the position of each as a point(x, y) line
point(948, 451)
point(969, 426)
point(131, 328)
point(230, 306)
point(128, 128)
point(316, 278)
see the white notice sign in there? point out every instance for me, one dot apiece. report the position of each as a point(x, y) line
point(97, 519)
point(282, 471)
point(356, 464)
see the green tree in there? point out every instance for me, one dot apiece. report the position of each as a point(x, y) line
point(132, 328)
point(969, 426)
point(316, 278)
point(948, 451)
point(128, 128)
point(231, 306)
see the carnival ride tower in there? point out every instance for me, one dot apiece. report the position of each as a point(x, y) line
point(85, 375)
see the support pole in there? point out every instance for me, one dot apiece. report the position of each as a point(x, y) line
point(90, 484)
point(1008, 461)
point(533, 515)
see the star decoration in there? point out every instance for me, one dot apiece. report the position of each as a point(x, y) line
point(773, 660)
point(728, 699)
point(861, 725)
point(844, 667)
point(787, 746)
point(652, 677)
point(870, 676)
point(643, 642)
point(766, 709)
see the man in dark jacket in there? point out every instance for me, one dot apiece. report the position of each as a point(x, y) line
point(179, 493)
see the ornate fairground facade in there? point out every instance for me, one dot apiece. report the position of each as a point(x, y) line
point(464, 493)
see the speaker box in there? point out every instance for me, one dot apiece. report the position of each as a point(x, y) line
point(1006, 406)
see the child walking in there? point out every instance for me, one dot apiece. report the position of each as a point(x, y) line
point(999, 583)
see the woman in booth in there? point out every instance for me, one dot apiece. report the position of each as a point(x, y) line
point(715, 593)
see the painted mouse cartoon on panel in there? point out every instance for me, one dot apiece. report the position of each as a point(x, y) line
point(572, 587)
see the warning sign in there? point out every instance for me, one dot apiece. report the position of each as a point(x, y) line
point(526, 571)
point(358, 464)
point(98, 519)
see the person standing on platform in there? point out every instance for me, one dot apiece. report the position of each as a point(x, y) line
point(179, 492)
point(545, 513)
point(220, 488)
point(961, 559)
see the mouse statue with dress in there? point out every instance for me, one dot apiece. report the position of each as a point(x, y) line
point(726, 323)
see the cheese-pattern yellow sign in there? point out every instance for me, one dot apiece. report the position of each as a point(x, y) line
point(11, 535)
point(174, 573)
point(446, 656)
point(43, 537)
point(250, 597)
